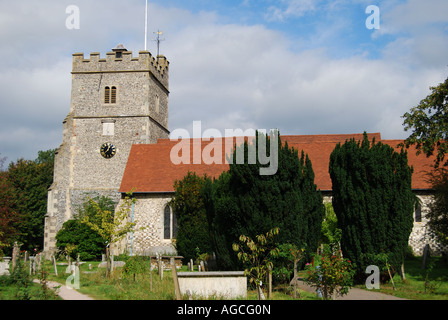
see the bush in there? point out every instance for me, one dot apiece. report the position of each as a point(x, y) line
point(331, 273)
point(88, 243)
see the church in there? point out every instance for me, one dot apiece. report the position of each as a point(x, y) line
point(116, 140)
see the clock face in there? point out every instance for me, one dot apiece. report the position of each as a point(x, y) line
point(108, 150)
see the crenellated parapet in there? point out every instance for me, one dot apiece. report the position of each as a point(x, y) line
point(123, 62)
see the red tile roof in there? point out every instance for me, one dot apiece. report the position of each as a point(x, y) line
point(150, 169)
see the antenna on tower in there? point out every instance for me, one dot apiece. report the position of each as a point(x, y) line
point(146, 22)
point(158, 39)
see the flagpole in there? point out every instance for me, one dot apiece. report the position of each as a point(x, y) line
point(146, 22)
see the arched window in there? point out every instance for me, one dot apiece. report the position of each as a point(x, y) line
point(110, 94)
point(157, 104)
point(113, 95)
point(169, 223)
point(418, 213)
point(107, 95)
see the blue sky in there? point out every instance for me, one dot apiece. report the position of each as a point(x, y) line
point(302, 66)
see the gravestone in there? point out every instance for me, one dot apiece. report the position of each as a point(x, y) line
point(4, 268)
point(15, 255)
point(426, 256)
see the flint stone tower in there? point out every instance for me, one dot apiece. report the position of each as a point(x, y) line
point(116, 102)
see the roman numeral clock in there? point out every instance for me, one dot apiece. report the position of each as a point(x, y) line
point(108, 150)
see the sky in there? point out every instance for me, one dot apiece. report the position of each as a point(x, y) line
point(300, 66)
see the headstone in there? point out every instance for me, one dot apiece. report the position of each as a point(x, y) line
point(426, 256)
point(191, 264)
point(4, 268)
point(32, 267)
point(15, 255)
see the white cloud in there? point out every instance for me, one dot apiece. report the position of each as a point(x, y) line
point(290, 8)
point(228, 76)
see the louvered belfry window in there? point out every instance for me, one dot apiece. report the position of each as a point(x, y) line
point(110, 95)
point(113, 95)
point(107, 95)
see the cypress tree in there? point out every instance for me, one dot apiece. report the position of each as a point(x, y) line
point(247, 203)
point(373, 201)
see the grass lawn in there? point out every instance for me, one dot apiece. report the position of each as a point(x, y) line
point(414, 285)
point(121, 287)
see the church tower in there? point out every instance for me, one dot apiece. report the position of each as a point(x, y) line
point(116, 101)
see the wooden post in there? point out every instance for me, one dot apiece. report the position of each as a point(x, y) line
point(295, 279)
point(107, 262)
point(159, 262)
point(111, 263)
point(54, 265)
point(176, 281)
point(270, 282)
point(150, 274)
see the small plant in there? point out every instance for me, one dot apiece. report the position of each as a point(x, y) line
point(430, 286)
point(135, 265)
point(258, 257)
point(330, 273)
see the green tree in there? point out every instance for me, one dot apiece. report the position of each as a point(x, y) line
point(89, 244)
point(331, 234)
point(373, 202)
point(242, 201)
point(188, 205)
point(30, 181)
point(438, 209)
point(429, 124)
point(112, 226)
point(9, 218)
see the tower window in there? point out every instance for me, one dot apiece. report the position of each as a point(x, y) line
point(157, 104)
point(107, 95)
point(110, 94)
point(113, 95)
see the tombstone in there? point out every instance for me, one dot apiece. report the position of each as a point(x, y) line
point(426, 256)
point(4, 268)
point(191, 264)
point(38, 261)
point(103, 258)
point(15, 255)
point(32, 266)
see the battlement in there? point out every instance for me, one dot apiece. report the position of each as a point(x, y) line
point(122, 62)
